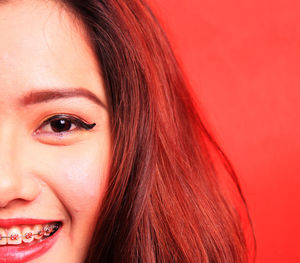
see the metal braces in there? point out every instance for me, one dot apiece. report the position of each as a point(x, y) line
point(46, 231)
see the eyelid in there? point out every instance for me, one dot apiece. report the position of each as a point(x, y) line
point(81, 124)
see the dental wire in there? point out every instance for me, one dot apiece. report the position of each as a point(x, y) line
point(46, 231)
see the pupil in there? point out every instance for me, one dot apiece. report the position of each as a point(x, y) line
point(60, 125)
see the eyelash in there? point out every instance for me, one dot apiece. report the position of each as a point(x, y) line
point(68, 120)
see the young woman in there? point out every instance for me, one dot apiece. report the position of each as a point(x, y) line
point(103, 155)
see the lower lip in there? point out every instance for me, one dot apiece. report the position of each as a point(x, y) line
point(20, 253)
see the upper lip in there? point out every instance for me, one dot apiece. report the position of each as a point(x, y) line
point(5, 223)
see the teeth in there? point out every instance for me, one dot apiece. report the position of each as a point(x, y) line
point(27, 234)
point(48, 230)
point(14, 236)
point(3, 239)
point(38, 231)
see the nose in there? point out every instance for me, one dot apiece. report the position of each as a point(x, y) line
point(14, 186)
point(16, 183)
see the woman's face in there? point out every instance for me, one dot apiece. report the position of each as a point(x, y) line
point(54, 162)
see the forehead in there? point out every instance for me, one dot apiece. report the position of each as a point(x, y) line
point(43, 45)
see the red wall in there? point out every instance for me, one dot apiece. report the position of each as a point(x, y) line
point(243, 59)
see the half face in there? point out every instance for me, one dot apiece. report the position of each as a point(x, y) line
point(55, 143)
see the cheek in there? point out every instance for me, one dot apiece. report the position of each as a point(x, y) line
point(83, 182)
point(80, 177)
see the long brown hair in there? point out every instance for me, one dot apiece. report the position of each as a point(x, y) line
point(164, 201)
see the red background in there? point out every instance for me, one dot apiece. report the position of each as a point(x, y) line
point(242, 58)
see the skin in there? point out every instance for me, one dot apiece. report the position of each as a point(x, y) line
point(43, 174)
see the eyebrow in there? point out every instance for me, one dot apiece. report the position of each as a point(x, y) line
point(42, 96)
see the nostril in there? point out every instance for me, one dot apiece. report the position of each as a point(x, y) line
point(10, 202)
point(16, 189)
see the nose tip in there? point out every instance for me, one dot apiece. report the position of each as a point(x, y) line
point(14, 186)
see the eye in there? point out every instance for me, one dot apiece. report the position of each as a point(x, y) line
point(63, 123)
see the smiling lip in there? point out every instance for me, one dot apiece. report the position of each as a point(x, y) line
point(25, 252)
point(6, 223)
